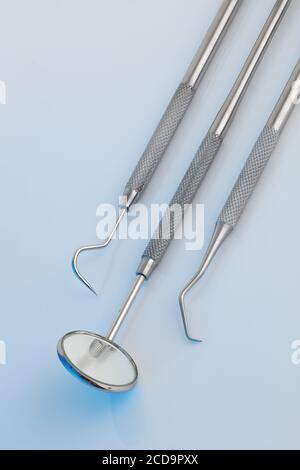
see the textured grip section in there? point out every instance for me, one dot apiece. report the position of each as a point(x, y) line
point(183, 196)
point(249, 176)
point(160, 140)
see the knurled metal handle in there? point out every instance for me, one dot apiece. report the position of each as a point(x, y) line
point(180, 102)
point(160, 140)
point(249, 176)
point(183, 196)
point(262, 151)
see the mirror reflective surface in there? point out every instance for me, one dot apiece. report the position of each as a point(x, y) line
point(110, 369)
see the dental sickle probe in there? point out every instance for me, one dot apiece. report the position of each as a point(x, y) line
point(168, 125)
point(247, 182)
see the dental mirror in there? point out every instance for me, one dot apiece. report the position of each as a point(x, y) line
point(98, 361)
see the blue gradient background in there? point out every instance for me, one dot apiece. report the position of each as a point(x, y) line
point(87, 82)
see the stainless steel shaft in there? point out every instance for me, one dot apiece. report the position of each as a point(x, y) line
point(179, 104)
point(212, 142)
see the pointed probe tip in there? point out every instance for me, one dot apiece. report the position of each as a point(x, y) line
point(93, 290)
point(87, 284)
point(81, 278)
point(184, 318)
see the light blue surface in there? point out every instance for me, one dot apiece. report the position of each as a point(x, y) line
point(86, 84)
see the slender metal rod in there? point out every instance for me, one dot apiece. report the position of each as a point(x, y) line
point(126, 306)
point(286, 103)
point(211, 42)
point(231, 104)
point(96, 348)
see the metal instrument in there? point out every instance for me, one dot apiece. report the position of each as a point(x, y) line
point(247, 181)
point(168, 125)
point(99, 360)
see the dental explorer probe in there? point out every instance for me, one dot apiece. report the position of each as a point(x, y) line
point(99, 360)
point(247, 181)
point(168, 125)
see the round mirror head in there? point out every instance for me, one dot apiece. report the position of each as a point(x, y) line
point(98, 361)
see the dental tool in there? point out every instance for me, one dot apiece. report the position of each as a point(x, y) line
point(168, 125)
point(99, 360)
point(247, 182)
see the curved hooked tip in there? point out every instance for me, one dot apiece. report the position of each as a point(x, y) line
point(212, 249)
point(91, 248)
point(220, 234)
point(182, 296)
point(76, 270)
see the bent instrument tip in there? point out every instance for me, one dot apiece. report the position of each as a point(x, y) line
point(77, 272)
